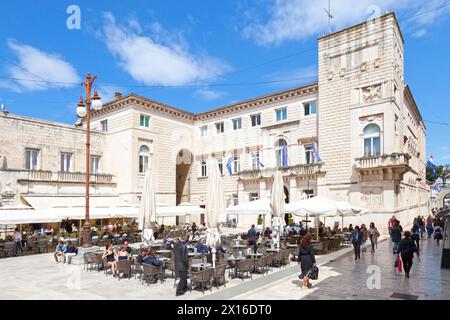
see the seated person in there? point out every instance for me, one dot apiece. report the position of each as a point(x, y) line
point(302, 232)
point(60, 251)
point(127, 247)
point(110, 258)
point(142, 254)
point(221, 249)
point(70, 252)
point(201, 248)
point(74, 228)
point(268, 233)
point(122, 254)
point(49, 230)
point(151, 258)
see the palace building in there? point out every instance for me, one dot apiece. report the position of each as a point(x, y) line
point(355, 135)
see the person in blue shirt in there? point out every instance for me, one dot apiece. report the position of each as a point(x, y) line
point(201, 248)
point(151, 258)
point(60, 251)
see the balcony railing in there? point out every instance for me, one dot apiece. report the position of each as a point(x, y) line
point(297, 170)
point(63, 177)
point(383, 161)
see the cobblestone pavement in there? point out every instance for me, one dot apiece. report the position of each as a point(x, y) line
point(345, 278)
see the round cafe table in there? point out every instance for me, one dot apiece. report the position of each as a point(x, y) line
point(273, 250)
point(201, 266)
point(292, 245)
point(163, 251)
point(239, 246)
point(254, 255)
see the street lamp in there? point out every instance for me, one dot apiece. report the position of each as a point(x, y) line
point(83, 111)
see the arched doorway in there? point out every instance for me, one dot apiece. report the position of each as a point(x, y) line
point(184, 161)
point(286, 200)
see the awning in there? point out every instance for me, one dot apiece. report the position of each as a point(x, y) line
point(73, 208)
point(27, 216)
point(256, 207)
point(180, 210)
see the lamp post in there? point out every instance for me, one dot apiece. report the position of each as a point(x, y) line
point(83, 111)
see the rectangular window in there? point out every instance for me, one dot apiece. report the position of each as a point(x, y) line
point(254, 196)
point(145, 121)
point(104, 125)
point(31, 159)
point(95, 164)
point(204, 131)
point(66, 162)
point(237, 124)
point(220, 162)
point(219, 127)
point(256, 119)
point(235, 197)
point(236, 164)
point(255, 160)
point(281, 114)
point(310, 108)
point(309, 154)
point(203, 169)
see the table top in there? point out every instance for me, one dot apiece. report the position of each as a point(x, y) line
point(239, 246)
point(193, 254)
point(255, 255)
point(236, 258)
point(273, 250)
point(201, 265)
point(292, 245)
point(163, 251)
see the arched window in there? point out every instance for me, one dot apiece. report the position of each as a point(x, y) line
point(281, 153)
point(144, 152)
point(372, 144)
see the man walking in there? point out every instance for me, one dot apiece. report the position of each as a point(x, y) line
point(396, 236)
point(181, 264)
point(252, 238)
point(17, 242)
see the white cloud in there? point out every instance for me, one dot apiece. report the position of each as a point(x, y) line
point(300, 19)
point(158, 60)
point(208, 94)
point(36, 65)
point(420, 33)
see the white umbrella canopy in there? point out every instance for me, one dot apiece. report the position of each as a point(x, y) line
point(147, 209)
point(260, 206)
point(215, 202)
point(277, 204)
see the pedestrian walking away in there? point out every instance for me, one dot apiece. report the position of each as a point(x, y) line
point(407, 248)
point(415, 235)
point(17, 242)
point(437, 233)
point(396, 236)
point(181, 264)
point(373, 235)
point(307, 260)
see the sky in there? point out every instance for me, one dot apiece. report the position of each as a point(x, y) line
point(203, 54)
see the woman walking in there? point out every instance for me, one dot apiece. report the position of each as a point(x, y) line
point(396, 236)
point(356, 241)
point(365, 236)
point(429, 227)
point(373, 235)
point(437, 232)
point(307, 260)
point(406, 249)
point(415, 235)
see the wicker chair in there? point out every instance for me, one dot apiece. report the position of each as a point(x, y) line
point(261, 264)
point(124, 266)
point(203, 277)
point(269, 261)
point(42, 246)
point(97, 261)
point(218, 275)
point(8, 248)
point(277, 259)
point(244, 267)
point(151, 271)
point(88, 259)
point(285, 261)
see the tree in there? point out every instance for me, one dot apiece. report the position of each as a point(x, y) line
point(442, 171)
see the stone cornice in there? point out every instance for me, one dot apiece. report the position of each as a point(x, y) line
point(134, 99)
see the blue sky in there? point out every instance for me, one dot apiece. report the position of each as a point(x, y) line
point(202, 54)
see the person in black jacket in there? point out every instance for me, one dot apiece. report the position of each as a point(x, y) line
point(406, 249)
point(356, 238)
point(396, 236)
point(181, 264)
point(307, 259)
point(252, 238)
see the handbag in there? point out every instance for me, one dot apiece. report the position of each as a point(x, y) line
point(313, 273)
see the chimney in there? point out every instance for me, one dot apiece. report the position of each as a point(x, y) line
point(118, 95)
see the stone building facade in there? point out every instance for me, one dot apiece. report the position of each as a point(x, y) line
point(355, 135)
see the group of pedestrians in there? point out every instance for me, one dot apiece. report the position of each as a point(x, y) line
point(359, 237)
